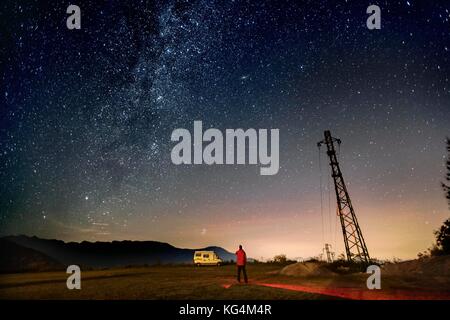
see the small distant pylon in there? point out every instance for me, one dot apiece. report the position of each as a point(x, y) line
point(329, 253)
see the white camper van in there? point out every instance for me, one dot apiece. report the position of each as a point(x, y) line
point(203, 258)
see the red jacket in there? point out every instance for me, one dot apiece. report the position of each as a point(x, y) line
point(241, 257)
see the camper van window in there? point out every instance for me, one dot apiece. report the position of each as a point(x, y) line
point(198, 254)
point(206, 256)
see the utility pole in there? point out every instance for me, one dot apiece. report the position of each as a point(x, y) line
point(355, 246)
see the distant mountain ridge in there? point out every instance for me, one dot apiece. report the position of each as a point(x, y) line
point(16, 258)
point(107, 254)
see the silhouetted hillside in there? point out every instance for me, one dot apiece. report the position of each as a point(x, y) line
point(112, 254)
point(16, 258)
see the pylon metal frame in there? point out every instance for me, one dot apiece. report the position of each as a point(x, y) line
point(355, 246)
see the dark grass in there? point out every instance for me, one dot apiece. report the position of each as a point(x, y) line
point(158, 282)
point(190, 282)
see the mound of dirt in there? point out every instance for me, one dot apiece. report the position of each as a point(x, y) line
point(428, 267)
point(306, 269)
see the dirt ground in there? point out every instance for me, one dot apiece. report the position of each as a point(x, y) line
point(189, 282)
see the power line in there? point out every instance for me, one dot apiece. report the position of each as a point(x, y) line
point(321, 198)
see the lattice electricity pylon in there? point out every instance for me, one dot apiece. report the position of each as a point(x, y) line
point(355, 246)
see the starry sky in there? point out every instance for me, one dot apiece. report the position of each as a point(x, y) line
point(86, 117)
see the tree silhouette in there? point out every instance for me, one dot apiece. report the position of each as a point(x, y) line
point(281, 258)
point(443, 238)
point(446, 186)
point(443, 234)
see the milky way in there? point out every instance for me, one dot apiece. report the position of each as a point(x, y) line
point(87, 114)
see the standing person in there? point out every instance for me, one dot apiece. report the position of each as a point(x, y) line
point(241, 261)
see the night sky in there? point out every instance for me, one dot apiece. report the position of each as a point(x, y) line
point(86, 117)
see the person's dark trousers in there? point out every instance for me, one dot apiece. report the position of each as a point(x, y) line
point(239, 268)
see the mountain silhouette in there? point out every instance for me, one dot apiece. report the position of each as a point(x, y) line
point(103, 254)
point(16, 258)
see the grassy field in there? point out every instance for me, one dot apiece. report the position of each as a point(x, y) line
point(158, 282)
point(182, 282)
